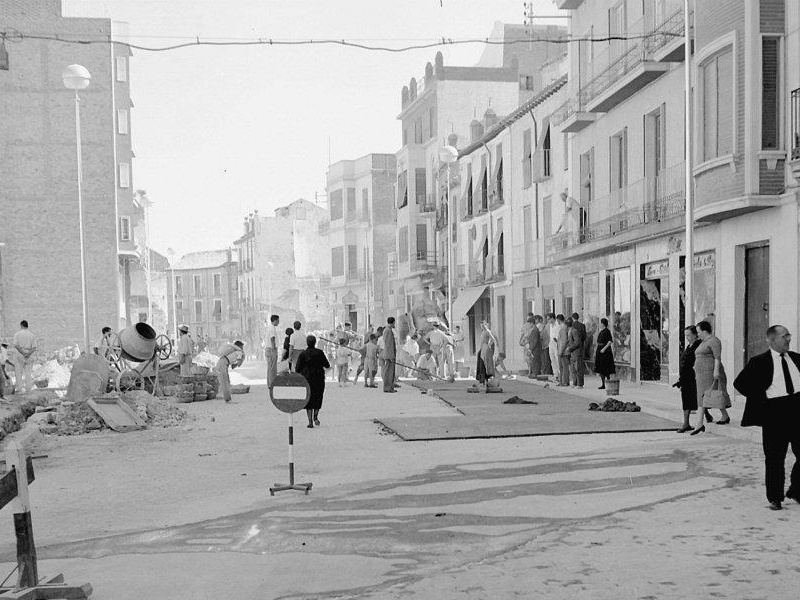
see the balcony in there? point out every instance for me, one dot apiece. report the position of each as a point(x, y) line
point(528, 256)
point(355, 276)
point(423, 261)
point(568, 4)
point(427, 203)
point(665, 40)
point(571, 117)
point(648, 207)
point(487, 270)
point(794, 161)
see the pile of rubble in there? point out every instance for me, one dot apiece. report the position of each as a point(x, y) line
point(613, 405)
point(155, 411)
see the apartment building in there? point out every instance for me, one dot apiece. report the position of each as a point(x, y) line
point(283, 267)
point(40, 278)
point(206, 294)
point(436, 109)
point(362, 236)
point(624, 255)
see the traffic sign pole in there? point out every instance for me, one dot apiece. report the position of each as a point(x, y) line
point(290, 394)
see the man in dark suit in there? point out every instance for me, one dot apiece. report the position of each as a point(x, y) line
point(390, 356)
point(535, 348)
point(771, 384)
point(576, 323)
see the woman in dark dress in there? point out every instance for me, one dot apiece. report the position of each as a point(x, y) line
point(311, 364)
point(686, 379)
point(604, 355)
point(287, 343)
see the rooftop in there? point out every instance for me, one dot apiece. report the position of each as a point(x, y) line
point(207, 259)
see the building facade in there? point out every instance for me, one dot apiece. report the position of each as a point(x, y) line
point(283, 267)
point(206, 295)
point(362, 236)
point(40, 278)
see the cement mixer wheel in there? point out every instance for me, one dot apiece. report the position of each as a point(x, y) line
point(129, 380)
point(163, 347)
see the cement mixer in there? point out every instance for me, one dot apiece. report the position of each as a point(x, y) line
point(134, 355)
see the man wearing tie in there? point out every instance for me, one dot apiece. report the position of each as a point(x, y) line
point(771, 384)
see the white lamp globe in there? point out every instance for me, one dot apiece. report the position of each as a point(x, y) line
point(448, 154)
point(76, 77)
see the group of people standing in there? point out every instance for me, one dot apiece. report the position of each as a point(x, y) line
point(556, 345)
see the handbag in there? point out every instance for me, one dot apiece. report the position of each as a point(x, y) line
point(714, 397)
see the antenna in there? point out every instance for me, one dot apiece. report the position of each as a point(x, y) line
point(329, 150)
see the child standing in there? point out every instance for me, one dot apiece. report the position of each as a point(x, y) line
point(371, 361)
point(342, 361)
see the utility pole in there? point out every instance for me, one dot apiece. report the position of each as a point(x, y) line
point(689, 260)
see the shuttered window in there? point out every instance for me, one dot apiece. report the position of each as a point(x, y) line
point(402, 244)
point(420, 185)
point(526, 158)
point(717, 105)
point(770, 93)
point(336, 205)
point(337, 261)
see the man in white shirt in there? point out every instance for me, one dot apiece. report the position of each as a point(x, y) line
point(232, 356)
point(185, 351)
point(273, 337)
point(297, 343)
point(771, 383)
point(426, 365)
point(24, 346)
point(552, 345)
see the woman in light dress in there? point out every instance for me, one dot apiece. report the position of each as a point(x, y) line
point(709, 372)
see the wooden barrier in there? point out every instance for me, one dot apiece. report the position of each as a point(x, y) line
point(14, 490)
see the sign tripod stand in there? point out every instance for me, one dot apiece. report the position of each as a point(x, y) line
point(289, 394)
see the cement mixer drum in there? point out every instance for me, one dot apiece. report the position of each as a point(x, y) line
point(138, 342)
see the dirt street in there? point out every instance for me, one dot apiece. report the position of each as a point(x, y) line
point(186, 512)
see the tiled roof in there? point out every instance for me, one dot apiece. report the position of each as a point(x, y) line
point(203, 260)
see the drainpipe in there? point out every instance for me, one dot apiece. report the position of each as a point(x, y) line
point(536, 196)
point(491, 227)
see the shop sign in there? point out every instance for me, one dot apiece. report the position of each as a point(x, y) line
point(657, 270)
point(705, 260)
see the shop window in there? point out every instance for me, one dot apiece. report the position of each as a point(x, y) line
point(618, 312)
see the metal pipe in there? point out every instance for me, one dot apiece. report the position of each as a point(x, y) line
point(84, 285)
point(689, 261)
point(449, 225)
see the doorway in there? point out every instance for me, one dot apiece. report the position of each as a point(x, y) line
point(654, 322)
point(756, 312)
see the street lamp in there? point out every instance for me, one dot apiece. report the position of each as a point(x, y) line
point(77, 78)
point(171, 254)
point(449, 155)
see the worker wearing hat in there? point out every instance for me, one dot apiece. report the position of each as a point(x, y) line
point(232, 355)
point(185, 351)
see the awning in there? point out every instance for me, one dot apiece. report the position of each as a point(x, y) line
point(466, 299)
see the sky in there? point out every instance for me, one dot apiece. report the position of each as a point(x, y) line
point(220, 131)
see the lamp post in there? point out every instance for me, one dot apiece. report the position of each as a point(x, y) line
point(449, 155)
point(76, 78)
point(171, 254)
point(689, 261)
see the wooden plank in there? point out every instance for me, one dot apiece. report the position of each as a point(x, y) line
point(116, 414)
point(8, 483)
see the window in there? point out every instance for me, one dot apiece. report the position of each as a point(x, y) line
point(526, 82)
point(179, 310)
point(527, 224)
point(351, 203)
point(566, 151)
point(547, 219)
point(420, 187)
point(402, 244)
point(546, 154)
point(770, 93)
point(124, 175)
point(716, 78)
point(300, 213)
point(618, 312)
point(122, 68)
point(405, 137)
point(418, 139)
point(217, 314)
point(178, 285)
point(198, 285)
point(352, 260)
point(122, 121)
point(422, 242)
point(217, 284)
point(402, 189)
point(336, 205)
point(365, 204)
point(432, 121)
point(470, 189)
point(337, 261)
point(618, 160)
point(125, 229)
point(526, 158)
point(198, 310)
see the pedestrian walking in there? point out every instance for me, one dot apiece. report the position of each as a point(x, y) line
point(343, 354)
point(771, 384)
point(272, 349)
point(185, 351)
point(458, 348)
point(711, 381)
point(686, 379)
point(555, 361)
point(285, 364)
point(371, 361)
point(297, 343)
point(604, 355)
point(562, 350)
point(311, 364)
point(575, 344)
point(544, 351)
point(389, 357)
point(484, 368)
point(231, 356)
point(24, 346)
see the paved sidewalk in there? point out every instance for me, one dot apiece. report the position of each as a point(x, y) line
point(663, 401)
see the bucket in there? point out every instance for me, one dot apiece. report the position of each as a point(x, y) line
point(612, 387)
point(138, 342)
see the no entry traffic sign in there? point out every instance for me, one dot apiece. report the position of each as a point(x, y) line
point(290, 394)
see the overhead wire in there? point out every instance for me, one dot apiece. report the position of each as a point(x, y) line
point(17, 36)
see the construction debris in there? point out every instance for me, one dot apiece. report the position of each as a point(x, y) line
point(518, 400)
point(612, 405)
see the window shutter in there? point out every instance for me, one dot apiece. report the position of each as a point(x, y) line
point(770, 93)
